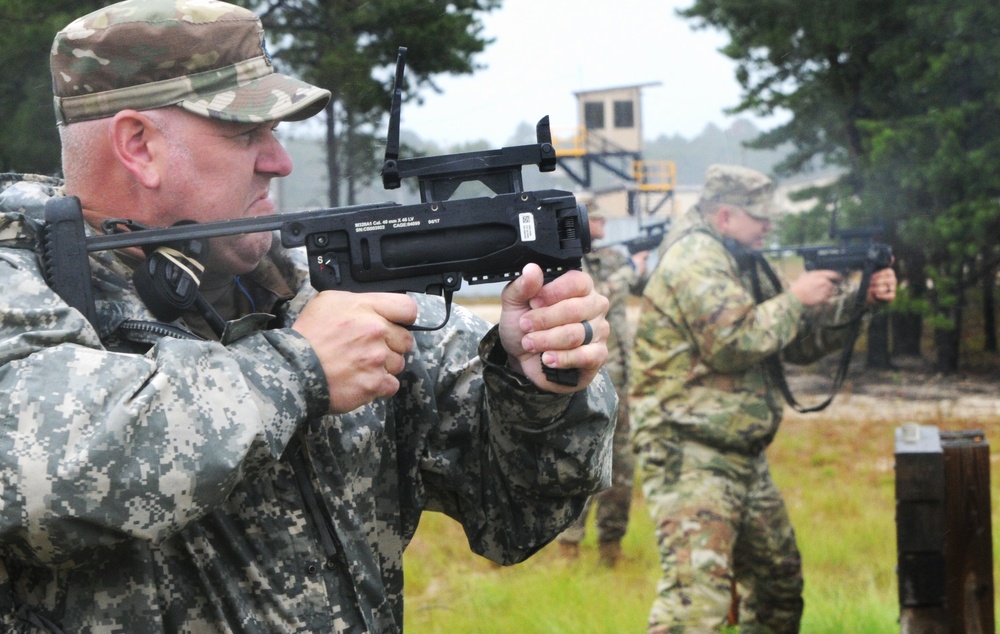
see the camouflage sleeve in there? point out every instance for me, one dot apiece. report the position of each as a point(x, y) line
point(617, 270)
point(514, 465)
point(631, 277)
point(826, 327)
point(99, 447)
point(698, 280)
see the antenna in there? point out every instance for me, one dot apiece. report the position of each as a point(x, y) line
point(390, 166)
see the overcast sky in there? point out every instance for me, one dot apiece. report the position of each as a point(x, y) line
point(546, 50)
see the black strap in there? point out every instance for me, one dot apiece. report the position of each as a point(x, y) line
point(755, 261)
point(63, 251)
point(27, 614)
point(322, 521)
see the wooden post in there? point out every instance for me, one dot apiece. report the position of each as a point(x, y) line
point(968, 545)
point(943, 531)
point(920, 529)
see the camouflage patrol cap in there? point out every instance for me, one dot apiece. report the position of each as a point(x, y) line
point(205, 56)
point(741, 187)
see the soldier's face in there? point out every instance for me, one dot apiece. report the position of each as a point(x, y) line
point(223, 171)
point(748, 230)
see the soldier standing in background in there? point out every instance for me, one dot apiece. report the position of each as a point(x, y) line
point(615, 276)
point(706, 408)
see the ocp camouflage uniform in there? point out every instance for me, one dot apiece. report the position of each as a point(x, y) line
point(614, 277)
point(705, 411)
point(155, 481)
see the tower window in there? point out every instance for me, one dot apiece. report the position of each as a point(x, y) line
point(593, 115)
point(624, 114)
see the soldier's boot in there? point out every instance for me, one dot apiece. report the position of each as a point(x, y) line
point(608, 553)
point(569, 550)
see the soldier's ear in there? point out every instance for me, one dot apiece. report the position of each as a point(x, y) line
point(723, 217)
point(138, 144)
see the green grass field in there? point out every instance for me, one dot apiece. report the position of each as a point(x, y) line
point(837, 477)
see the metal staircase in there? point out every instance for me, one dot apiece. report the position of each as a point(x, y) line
point(649, 184)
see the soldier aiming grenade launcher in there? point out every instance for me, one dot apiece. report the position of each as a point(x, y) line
point(430, 247)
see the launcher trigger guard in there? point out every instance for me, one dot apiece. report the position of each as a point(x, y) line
point(446, 296)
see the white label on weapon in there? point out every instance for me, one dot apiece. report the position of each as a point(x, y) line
point(385, 223)
point(527, 221)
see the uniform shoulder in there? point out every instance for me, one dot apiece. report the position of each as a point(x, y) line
point(26, 194)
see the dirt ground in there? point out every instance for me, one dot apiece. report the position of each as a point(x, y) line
point(910, 391)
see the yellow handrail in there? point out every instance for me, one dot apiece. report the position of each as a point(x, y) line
point(650, 176)
point(655, 176)
point(572, 147)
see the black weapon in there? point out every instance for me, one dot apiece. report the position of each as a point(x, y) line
point(650, 238)
point(858, 250)
point(430, 247)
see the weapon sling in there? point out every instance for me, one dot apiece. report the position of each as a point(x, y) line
point(773, 363)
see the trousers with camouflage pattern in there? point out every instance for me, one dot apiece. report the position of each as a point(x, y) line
point(719, 517)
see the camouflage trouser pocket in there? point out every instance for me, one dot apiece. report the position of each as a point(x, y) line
point(659, 461)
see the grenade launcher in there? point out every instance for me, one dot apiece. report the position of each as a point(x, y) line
point(430, 247)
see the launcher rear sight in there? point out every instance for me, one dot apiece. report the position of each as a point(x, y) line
point(440, 176)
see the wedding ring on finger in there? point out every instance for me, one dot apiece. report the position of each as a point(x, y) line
point(588, 333)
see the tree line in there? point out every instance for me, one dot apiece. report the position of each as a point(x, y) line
point(900, 97)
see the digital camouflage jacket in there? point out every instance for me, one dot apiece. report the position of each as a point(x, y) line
point(155, 483)
point(701, 340)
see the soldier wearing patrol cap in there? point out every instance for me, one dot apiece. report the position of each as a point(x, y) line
point(157, 477)
point(616, 276)
point(704, 409)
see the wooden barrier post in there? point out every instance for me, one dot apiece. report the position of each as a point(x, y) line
point(943, 531)
point(968, 544)
point(920, 529)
